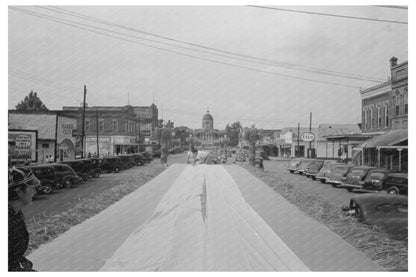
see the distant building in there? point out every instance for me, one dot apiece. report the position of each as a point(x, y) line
point(116, 128)
point(55, 132)
point(207, 137)
point(331, 141)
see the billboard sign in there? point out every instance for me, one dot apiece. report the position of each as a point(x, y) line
point(23, 145)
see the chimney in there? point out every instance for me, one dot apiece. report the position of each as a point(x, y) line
point(393, 61)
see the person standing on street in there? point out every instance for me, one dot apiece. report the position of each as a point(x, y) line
point(191, 157)
point(22, 188)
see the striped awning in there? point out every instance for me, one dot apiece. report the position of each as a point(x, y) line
point(389, 138)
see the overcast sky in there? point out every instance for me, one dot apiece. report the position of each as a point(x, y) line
point(293, 57)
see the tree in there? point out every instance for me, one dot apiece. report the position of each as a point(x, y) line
point(232, 133)
point(31, 103)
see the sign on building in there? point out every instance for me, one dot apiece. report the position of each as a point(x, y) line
point(307, 136)
point(23, 145)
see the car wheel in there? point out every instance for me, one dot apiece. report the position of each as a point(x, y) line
point(393, 190)
point(323, 181)
point(69, 184)
point(139, 163)
point(334, 185)
point(313, 178)
point(47, 188)
point(350, 189)
point(291, 171)
point(117, 169)
point(95, 174)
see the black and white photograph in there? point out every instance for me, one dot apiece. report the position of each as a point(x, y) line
point(207, 137)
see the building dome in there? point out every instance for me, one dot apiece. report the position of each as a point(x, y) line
point(207, 122)
point(207, 116)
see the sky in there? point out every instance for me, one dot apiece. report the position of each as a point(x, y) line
point(270, 67)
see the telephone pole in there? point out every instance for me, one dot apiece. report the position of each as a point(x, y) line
point(98, 147)
point(310, 130)
point(83, 122)
point(297, 153)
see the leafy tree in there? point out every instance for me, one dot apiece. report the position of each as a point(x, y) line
point(232, 133)
point(31, 103)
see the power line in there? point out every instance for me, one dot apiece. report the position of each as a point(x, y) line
point(175, 52)
point(392, 7)
point(251, 58)
point(330, 14)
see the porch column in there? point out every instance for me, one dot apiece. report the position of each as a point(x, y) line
point(362, 157)
point(400, 159)
point(378, 157)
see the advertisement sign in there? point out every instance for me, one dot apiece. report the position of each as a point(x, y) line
point(23, 145)
point(307, 136)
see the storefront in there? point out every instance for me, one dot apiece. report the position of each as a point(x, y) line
point(389, 150)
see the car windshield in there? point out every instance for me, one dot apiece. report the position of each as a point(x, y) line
point(340, 170)
point(376, 175)
point(316, 163)
point(358, 171)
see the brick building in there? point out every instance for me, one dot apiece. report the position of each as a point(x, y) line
point(385, 118)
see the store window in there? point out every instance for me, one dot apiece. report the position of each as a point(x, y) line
point(386, 116)
point(101, 125)
point(115, 125)
point(379, 116)
point(87, 125)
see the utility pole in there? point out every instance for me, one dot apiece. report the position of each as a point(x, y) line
point(297, 154)
point(310, 142)
point(83, 122)
point(138, 125)
point(98, 147)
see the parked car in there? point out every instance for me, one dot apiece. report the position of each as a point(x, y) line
point(336, 177)
point(240, 156)
point(111, 164)
point(92, 166)
point(157, 153)
point(375, 181)
point(355, 178)
point(396, 183)
point(138, 159)
point(385, 210)
point(80, 168)
point(303, 165)
point(128, 160)
point(53, 176)
point(146, 156)
point(294, 164)
point(324, 172)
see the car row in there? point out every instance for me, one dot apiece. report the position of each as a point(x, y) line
point(66, 174)
point(387, 210)
point(351, 177)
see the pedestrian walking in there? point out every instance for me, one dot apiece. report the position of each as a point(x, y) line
point(22, 188)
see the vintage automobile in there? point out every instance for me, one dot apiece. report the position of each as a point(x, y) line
point(355, 177)
point(92, 166)
point(325, 171)
point(294, 164)
point(146, 156)
point(336, 177)
point(388, 211)
point(222, 155)
point(112, 164)
point(128, 160)
point(374, 181)
point(303, 165)
point(396, 183)
point(53, 176)
point(138, 159)
point(240, 156)
point(80, 168)
point(313, 168)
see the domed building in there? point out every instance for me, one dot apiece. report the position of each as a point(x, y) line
point(208, 137)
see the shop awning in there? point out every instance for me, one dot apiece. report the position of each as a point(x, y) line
point(389, 138)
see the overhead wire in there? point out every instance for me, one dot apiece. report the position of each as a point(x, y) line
point(247, 58)
point(329, 14)
point(61, 21)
